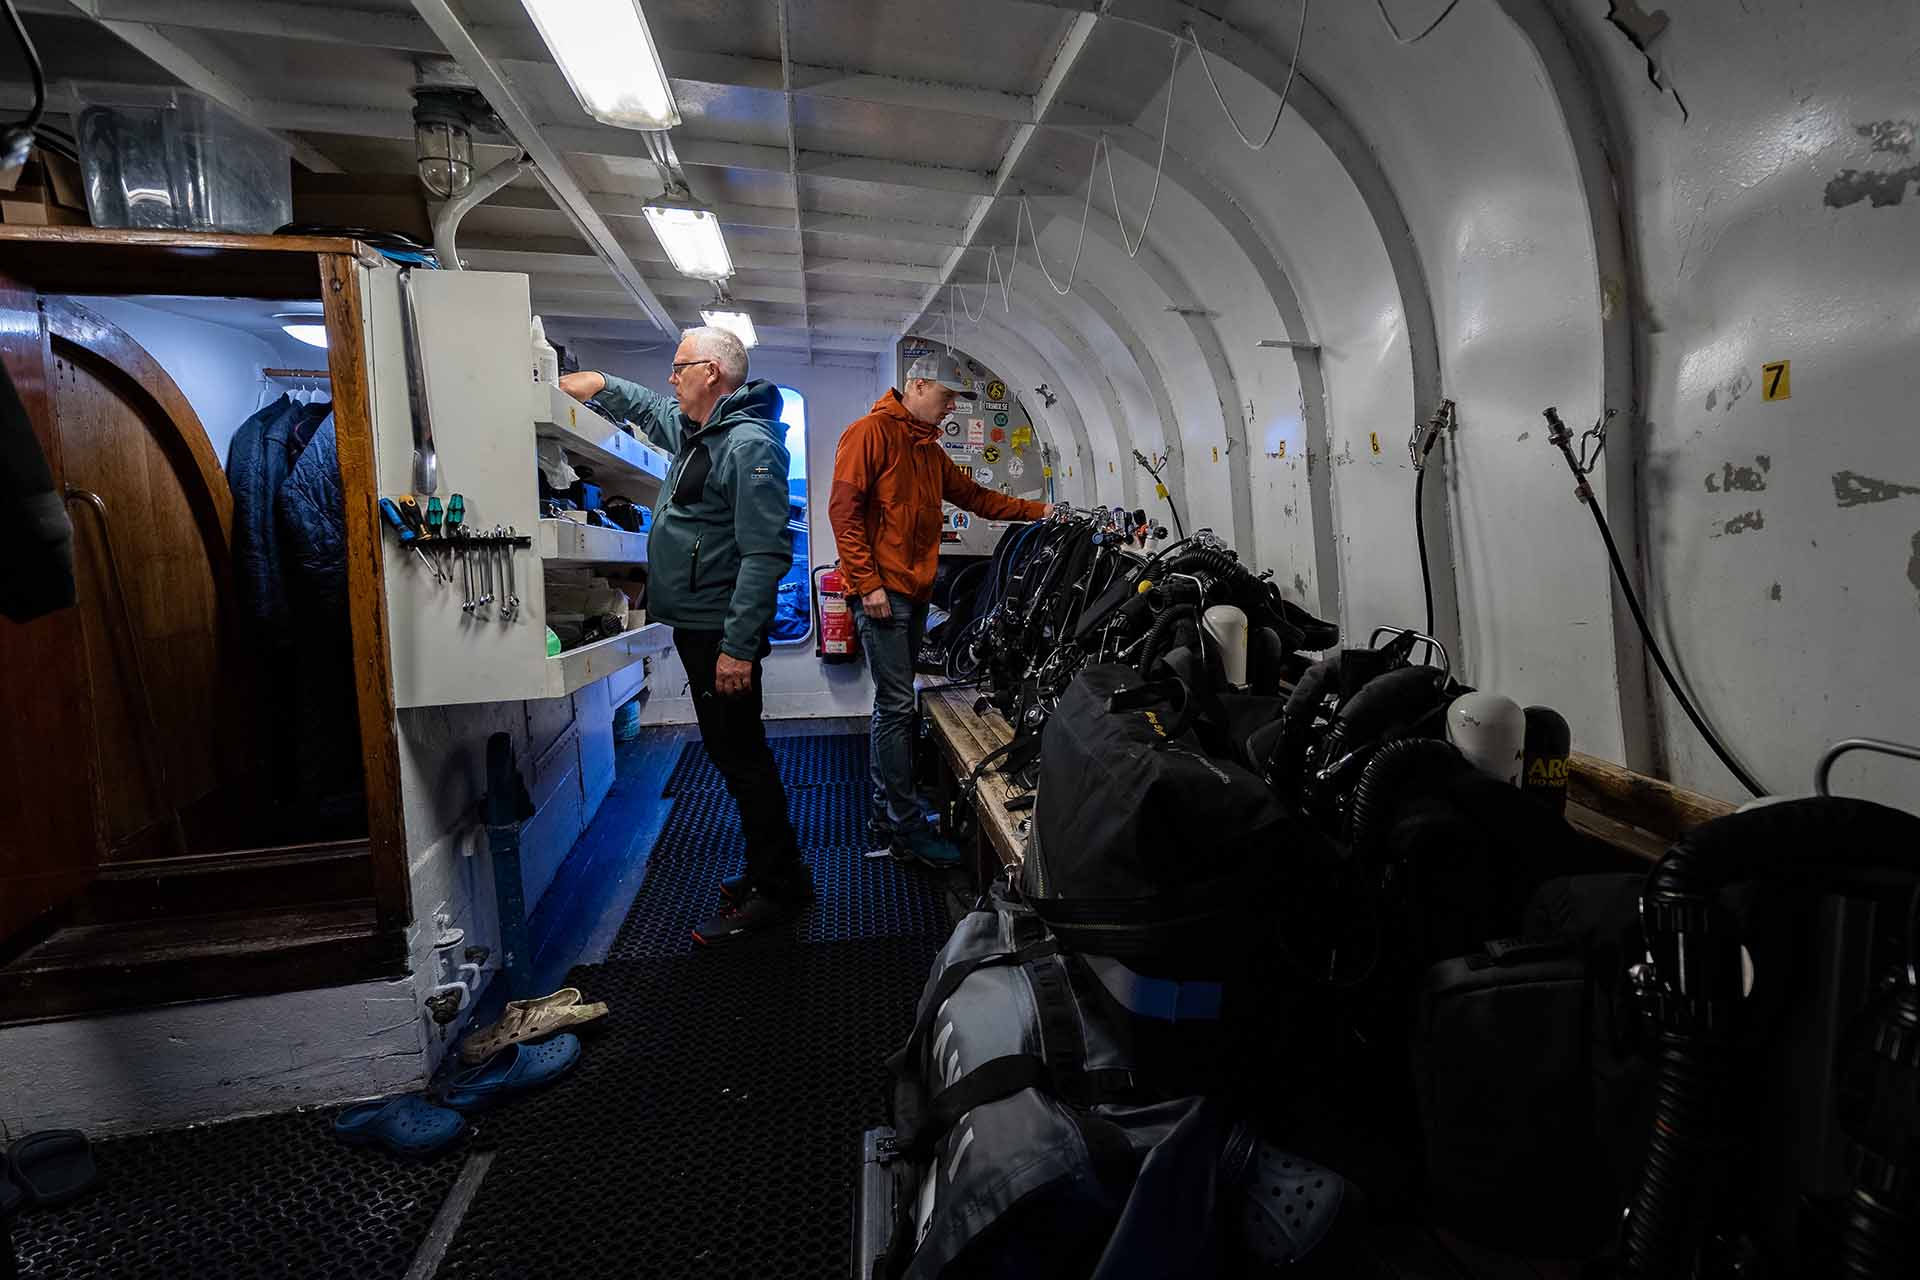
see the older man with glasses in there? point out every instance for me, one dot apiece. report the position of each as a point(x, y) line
point(716, 555)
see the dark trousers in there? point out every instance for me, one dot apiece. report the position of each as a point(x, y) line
point(736, 738)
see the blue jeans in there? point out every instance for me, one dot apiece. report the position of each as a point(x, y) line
point(890, 646)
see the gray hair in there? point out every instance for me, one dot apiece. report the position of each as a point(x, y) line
point(721, 347)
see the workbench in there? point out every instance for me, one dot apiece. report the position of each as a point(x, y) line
point(965, 737)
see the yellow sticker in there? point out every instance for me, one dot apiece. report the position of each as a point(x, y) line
point(1776, 380)
point(1022, 437)
point(1283, 450)
point(1069, 473)
point(573, 416)
point(1047, 472)
point(1375, 437)
point(1109, 468)
point(996, 391)
point(1160, 492)
point(1216, 453)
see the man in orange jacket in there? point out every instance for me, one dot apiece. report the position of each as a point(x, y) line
point(890, 474)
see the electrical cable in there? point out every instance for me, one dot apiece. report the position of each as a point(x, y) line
point(1660, 660)
point(1285, 92)
point(34, 69)
point(1403, 41)
point(1102, 149)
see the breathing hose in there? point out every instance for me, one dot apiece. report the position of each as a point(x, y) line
point(1386, 776)
point(1693, 989)
point(1561, 435)
point(1160, 635)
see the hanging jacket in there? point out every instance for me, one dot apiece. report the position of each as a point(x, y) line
point(36, 575)
point(259, 458)
point(719, 544)
point(312, 524)
point(889, 477)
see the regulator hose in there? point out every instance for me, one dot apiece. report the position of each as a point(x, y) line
point(1879, 1084)
point(1159, 636)
point(1385, 779)
point(1695, 992)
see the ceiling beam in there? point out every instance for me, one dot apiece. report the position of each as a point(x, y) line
point(554, 174)
point(793, 158)
point(1072, 47)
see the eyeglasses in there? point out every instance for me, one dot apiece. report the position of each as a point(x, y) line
point(689, 364)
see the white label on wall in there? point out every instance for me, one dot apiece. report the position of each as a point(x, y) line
point(998, 406)
point(1016, 468)
point(976, 431)
point(983, 475)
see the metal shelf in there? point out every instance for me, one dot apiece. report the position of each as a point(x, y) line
point(624, 464)
point(577, 668)
point(570, 542)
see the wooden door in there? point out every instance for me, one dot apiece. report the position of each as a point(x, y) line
point(164, 650)
point(51, 835)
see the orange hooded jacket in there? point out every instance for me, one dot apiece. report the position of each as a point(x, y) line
point(889, 476)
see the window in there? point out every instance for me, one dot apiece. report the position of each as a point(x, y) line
point(793, 608)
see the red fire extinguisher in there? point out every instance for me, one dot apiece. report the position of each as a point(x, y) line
point(837, 640)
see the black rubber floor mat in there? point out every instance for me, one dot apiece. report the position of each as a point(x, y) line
point(712, 1129)
point(858, 897)
point(271, 1196)
point(804, 762)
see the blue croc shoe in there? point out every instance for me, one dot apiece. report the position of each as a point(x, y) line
point(512, 1071)
point(409, 1126)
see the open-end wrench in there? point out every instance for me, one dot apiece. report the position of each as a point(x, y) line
point(513, 590)
point(465, 553)
point(486, 588)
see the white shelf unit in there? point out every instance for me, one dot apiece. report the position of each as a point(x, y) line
point(570, 542)
point(621, 464)
point(486, 417)
point(577, 668)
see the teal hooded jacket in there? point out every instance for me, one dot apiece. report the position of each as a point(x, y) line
point(719, 544)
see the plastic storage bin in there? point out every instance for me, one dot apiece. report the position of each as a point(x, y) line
point(170, 158)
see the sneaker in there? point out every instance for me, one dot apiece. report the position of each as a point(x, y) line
point(757, 914)
point(927, 848)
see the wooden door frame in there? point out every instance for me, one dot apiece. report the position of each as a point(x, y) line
point(342, 292)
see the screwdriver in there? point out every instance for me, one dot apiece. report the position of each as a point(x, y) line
point(395, 515)
point(435, 514)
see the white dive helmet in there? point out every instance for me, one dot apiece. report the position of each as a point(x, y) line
point(1491, 732)
point(1226, 626)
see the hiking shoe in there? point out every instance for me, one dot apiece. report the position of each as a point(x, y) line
point(757, 914)
point(927, 848)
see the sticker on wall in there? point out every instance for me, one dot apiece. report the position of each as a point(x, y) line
point(1283, 450)
point(961, 520)
point(996, 435)
point(915, 348)
point(953, 428)
point(1216, 453)
point(996, 390)
point(983, 475)
point(999, 419)
point(976, 431)
point(1016, 468)
point(977, 367)
point(963, 407)
point(959, 452)
point(1374, 436)
point(997, 405)
point(1022, 437)
point(991, 453)
point(1776, 380)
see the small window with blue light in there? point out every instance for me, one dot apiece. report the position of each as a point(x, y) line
point(793, 608)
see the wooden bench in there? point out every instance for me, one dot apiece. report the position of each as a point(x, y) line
point(1636, 816)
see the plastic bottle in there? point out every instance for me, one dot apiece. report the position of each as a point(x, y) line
point(546, 361)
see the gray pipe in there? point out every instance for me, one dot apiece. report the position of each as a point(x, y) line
point(447, 221)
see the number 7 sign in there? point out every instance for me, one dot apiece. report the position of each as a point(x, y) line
point(1776, 380)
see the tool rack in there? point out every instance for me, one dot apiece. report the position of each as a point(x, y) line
point(476, 630)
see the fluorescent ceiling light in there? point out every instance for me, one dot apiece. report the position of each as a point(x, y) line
point(314, 335)
point(737, 323)
point(606, 52)
point(691, 236)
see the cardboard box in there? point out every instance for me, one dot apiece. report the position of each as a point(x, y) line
point(49, 194)
point(378, 202)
